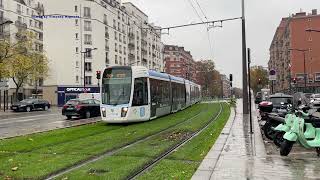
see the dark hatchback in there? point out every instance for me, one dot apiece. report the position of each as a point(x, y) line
point(30, 105)
point(81, 108)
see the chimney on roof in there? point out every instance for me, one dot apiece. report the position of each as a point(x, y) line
point(314, 12)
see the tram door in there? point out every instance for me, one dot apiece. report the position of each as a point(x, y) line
point(153, 97)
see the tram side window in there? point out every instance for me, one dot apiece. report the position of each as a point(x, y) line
point(140, 94)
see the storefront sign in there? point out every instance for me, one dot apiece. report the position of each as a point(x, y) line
point(78, 90)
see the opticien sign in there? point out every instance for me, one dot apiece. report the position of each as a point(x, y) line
point(77, 89)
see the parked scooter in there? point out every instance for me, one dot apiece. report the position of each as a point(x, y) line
point(305, 131)
point(271, 120)
point(282, 128)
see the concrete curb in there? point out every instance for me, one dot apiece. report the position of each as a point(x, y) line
point(208, 164)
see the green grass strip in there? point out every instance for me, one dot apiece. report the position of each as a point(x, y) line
point(143, 152)
point(183, 163)
point(39, 155)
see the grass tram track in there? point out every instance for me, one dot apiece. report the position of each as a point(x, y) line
point(136, 159)
point(116, 150)
point(30, 152)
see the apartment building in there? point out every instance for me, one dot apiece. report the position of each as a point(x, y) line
point(145, 46)
point(289, 64)
point(179, 62)
point(21, 13)
point(110, 32)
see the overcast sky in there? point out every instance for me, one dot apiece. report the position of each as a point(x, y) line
point(263, 17)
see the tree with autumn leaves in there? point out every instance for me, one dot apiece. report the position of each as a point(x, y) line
point(21, 62)
point(259, 78)
point(209, 78)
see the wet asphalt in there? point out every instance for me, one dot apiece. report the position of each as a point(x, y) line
point(22, 123)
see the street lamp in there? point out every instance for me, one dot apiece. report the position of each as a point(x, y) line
point(304, 63)
point(6, 22)
point(312, 30)
point(84, 69)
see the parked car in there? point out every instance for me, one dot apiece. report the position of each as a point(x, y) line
point(81, 108)
point(30, 105)
point(280, 102)
point(258, 98)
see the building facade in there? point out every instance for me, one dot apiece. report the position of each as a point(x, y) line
point(81, 37)
point(179, 62)
point(21, 13)
point(292, 47)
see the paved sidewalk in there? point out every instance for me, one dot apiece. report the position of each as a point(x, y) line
point(238, 154)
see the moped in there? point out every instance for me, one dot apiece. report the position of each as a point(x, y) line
point(304, 130)
point(282, 128)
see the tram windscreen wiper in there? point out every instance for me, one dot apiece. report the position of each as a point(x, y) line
point(115, 104)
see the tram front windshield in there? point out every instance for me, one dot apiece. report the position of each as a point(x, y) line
point(116, 86)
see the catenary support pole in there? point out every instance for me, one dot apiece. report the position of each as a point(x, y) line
point(244, 63)
point(249, 81)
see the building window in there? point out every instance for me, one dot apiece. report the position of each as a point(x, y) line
point(88, 53)
point(87, 12)
point(77, 22)
point(116, 59)
point(87, 26)
point(77, 50)
point(87, 67)
point(105, 19)
point(19, 9)
point(310, 39)
point(77, 79)
point(115, 35)
point(77, 64)
point(88, 80)
point(75, 8)
point(107, 58)
point(77, 36)
point(317, 77)
point(88, 39)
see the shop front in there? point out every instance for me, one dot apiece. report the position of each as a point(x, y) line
point(67, 93)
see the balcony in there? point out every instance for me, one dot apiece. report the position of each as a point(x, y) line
point(19, 24)
point(144, 51)
point(131, 56)
point(144, 42)
point(131, 36)
point(88, 42)
point(144, 33)
point(131, 46)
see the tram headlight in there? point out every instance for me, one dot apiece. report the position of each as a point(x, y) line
point(103, 111)
point(124, 111)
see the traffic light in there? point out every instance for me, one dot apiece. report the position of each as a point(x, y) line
point(259, 81)
point(98, 74)
point(231, 78)
point(294, 80)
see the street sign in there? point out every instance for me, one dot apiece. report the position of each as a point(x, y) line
point(272, 75)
